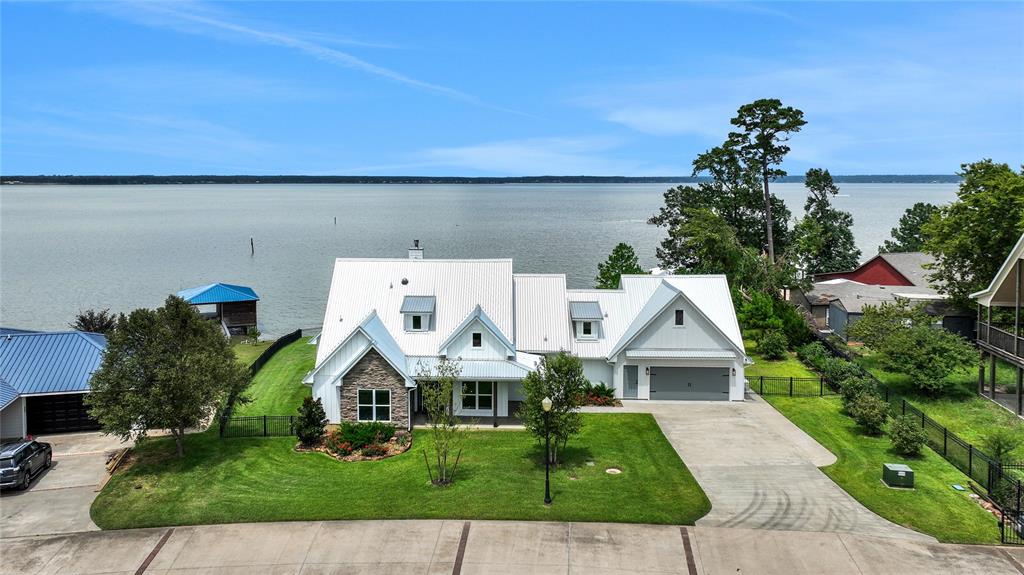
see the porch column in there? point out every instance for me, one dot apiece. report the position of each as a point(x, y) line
point(494, 403)
point(992, 375)
point(981, 374)
point(1016, 313)
point(1020, 391)
point(977, 324)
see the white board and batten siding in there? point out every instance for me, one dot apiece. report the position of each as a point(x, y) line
point(326, 380)
point(12, 420)
point(490, 347)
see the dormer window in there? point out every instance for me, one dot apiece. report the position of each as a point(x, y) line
point(418, 311)
point(586, 318)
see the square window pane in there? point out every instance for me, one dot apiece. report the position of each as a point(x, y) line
point(365, 413)
point(485, 387)
point(468, 402)
point(383, 397)
point(484, 402)
point(365, 396)
point(383, 414)
point(468, 387)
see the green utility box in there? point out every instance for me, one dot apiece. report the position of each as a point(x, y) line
point(897, 475)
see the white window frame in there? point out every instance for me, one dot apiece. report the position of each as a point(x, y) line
point(373, 404)
point(595, 327)
point(476, 395)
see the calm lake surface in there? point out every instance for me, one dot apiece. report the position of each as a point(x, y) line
point(68, 248)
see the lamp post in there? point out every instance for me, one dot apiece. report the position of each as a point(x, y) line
point(546, 404)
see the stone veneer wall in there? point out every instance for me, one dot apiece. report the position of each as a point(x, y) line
point(374, 372)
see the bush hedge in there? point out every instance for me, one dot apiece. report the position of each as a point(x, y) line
point(359, 435)
point(772, 344)
point(907, 435)
point(870, 412)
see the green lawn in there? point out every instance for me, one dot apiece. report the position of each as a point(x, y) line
point(247, 353)
point(501, 476)
point(278, 389)
point(789, 367)
point(933, 507)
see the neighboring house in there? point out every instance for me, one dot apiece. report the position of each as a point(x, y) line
point(837, 300)
point(389, 322)
point(232, 306)
point(1001, 336)
point(44, 377)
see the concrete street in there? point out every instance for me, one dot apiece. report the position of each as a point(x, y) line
point(59, 499)
point(457, 547)
point(759, 470)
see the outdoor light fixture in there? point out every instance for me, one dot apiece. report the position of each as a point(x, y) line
point(546, 405)
point(734, 371)
point(647, 371)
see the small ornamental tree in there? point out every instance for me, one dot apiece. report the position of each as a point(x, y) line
point(166, 368)
point(560, 378)
point(772, 345)
point(312, 418)
point(252, 336)
point(907, 435)
point(94, 321)
point(447, 434)
point(870, 412)
point(1001, 442)
point(622, 261)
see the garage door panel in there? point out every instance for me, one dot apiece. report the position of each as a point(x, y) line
point(58, 414)
point(690, 383)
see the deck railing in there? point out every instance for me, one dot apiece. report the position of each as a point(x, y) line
point(1000, 339)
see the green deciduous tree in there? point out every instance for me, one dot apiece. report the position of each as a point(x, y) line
point(101, 321)
point(447, 434)
point(166, 368)
point(907, 343)
point(560, 378)
point(764, 127)
point(907, 235)
point(907, 435)
point(823, 238)
point(971, 237)
point(870, 412)
point(621, 261)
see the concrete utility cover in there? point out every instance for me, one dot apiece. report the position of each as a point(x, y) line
point(613, 471)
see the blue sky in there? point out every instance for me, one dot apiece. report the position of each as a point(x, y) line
point(500, 89)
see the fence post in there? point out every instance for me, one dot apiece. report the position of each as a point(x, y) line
point(791, 386)
point(904, 407)
point(821, 387)
point(887, 394)
point(970, 461)
point(945, 440)
point(291, 424)
point(922, 419)
point(264, 426)
point(762, 386)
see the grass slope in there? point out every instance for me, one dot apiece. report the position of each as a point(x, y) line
point(247, 353)
point(278, 389)
point(933, 507)
point(501, 476)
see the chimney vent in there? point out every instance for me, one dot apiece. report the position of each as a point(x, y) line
point(415, 252)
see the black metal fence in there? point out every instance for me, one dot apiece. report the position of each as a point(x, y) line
point(268, 353)
point(791, 386)
point(258, 426)
point(998, 481)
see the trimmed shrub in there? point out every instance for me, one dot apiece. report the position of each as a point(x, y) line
point(359, 435)
point(374, 450)
point(772, 344)
point(870, 412)
point(839, 370)
point(600, 391)
point(852, 388)
point(336, 445)
point(907, 435)
point(312, 418)
point(813, 354)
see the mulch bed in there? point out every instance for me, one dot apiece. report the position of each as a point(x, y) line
point(394, 447)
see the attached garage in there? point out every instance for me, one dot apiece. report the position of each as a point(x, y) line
point(689, 383)
point(63, 413)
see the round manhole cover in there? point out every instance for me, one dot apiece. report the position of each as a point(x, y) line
point(613, 471)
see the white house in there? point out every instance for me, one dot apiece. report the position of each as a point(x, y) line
point(389, 321)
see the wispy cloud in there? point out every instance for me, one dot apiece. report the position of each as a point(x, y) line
point(199, 19)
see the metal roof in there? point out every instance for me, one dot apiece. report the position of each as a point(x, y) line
point(7, 394)
point(1001, 290)
point(484, 369)
point(50, 362)
point(218, 293)
point(359, 286)
point(542, 318)
point(478, 315)
point(585, 310)
point(378, 338)
point(910, 265)
point(680, 354)
point(855, 296)
point(418, 304)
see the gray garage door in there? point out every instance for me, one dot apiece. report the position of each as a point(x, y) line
point(703, 383)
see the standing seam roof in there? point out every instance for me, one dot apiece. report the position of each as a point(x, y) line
point(218, 293)
point(39, 363)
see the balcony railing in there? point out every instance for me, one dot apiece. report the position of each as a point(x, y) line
point(1001, 339)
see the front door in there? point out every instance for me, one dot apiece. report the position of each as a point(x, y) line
point(632, 378)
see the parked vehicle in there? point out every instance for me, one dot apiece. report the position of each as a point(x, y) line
point(21, 461)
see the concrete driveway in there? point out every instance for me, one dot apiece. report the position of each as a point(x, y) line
point(59, 499)
point(760, 471)
point(490, 547)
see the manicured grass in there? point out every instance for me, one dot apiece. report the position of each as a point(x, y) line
point(933, 507)
point(788, 367)
point(501, 476)
point(247, 353)
point(278, 389)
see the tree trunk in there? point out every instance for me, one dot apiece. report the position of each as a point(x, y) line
point(768, 216)
point(179, 441)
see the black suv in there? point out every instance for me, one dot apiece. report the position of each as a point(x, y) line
point(21, 461)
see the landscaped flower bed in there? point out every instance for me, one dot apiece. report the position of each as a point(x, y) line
point(369, 441)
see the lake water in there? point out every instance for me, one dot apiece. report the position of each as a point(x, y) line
point(68, 248)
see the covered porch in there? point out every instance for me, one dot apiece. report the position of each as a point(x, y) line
point(1000, 339)
point(491, 403)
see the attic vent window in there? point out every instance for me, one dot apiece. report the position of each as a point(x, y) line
point(679, 317)
point(477, 339)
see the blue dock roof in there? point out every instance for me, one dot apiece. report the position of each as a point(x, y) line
point(48, 362)
point(218, 293)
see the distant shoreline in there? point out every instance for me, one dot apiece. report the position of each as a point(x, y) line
point(449, 180)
